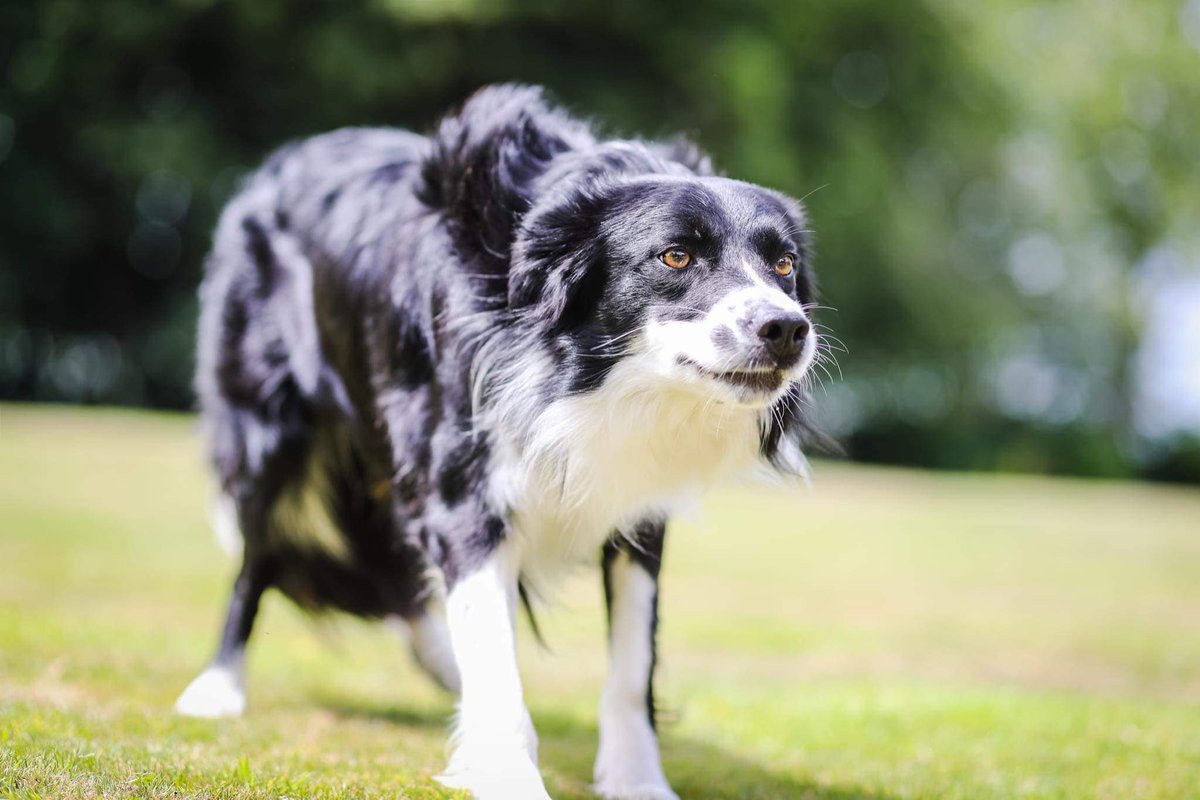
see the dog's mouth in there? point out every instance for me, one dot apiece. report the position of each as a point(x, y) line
point(757, 381)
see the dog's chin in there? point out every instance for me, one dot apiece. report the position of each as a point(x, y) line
point(746, 388)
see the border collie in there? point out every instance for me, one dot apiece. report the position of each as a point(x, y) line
point(436, 371)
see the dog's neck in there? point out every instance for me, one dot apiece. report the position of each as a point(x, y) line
point(592, 463)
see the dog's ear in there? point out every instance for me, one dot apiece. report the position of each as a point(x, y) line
point(558, 257)
point(483, 164)
point(682, 150)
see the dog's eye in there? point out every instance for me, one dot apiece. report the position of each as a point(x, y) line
point(785, 265)
point(676, 258)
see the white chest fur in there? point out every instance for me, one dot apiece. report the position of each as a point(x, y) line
point(601, 461)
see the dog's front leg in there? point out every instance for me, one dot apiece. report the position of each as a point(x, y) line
point(627, 764)
point(495, 746)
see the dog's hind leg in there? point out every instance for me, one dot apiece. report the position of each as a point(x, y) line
point(252, 484)
point(627, 763)
point(258, 369)
point(219, 691)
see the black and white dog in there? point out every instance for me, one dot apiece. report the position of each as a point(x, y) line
point(435, 371)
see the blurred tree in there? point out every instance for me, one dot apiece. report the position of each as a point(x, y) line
point(983, 178)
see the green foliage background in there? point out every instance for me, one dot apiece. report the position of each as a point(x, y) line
point(989, 181)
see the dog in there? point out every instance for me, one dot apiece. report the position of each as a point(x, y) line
point(436, 371)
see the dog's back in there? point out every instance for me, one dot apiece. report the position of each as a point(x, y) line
point(307, 495)
point(330, 271)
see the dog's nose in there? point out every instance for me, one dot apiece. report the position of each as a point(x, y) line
point(783, 335)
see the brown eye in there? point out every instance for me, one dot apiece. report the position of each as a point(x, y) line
point(785, 265)
point(676, 258)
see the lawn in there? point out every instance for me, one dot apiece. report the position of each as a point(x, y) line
point(889, 634)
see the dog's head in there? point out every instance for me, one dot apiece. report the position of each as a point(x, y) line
point(705, 280)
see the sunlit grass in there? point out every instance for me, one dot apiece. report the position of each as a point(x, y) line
point(890, 634)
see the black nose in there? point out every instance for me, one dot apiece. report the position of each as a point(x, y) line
point(783, 336)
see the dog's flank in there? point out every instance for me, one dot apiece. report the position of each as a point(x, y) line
point(436, 371)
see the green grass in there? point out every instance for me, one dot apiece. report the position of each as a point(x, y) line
point(890, 634)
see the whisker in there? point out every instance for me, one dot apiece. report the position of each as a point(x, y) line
point(814, 191)
point(829, 337)
point(831, 347)
point(615, 339)
point(826, 371)
point(824, 358)
point(616, 354)
point(776, 416)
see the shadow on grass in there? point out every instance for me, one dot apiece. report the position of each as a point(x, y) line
point(698, 770)
point(419, 719)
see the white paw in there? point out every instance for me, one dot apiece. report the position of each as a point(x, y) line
point(500, 774)
point(216, 692)
point(647, 791)
point(627, 764)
